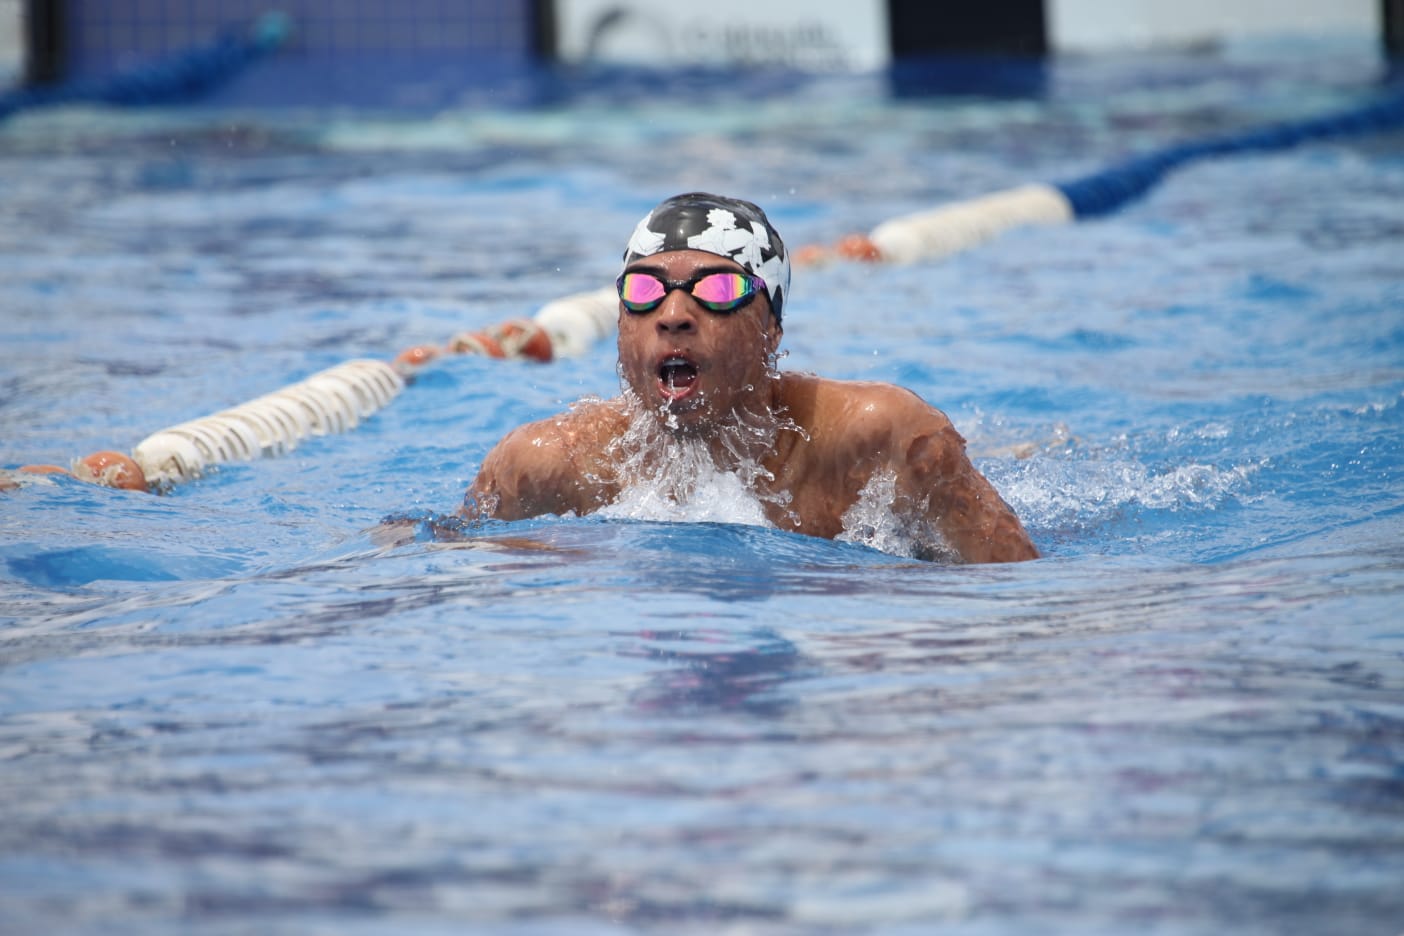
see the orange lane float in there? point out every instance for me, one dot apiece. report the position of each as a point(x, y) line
point(412, 359)
point(859, 247)
point(110, 469)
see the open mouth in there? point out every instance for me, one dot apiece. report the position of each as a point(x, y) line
point(676, 377)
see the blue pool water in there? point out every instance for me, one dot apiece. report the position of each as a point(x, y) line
point(230, 710)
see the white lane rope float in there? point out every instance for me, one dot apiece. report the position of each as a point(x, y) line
point(334, 400)
point(950, 229)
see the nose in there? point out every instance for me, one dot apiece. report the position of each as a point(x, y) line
point(677, 315)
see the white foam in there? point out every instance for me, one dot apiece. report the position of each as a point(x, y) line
point(872, 521)
point(674, 477)
point(1052, 493)
point(708, 496)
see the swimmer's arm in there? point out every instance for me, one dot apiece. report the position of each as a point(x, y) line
point(528, 474)
point(515, 480)
point(936, 477)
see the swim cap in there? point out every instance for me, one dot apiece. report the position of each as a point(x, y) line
point(728, 227)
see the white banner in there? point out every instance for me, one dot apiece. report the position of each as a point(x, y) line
point(849, 36)
point(1102, 25)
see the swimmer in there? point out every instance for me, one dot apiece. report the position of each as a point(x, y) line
point(704, 286)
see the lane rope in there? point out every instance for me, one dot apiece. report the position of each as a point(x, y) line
point(958, 226)
point(331, 401)
point(334, 400)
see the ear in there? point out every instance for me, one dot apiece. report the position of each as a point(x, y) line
point(771, 329)
point(770, 338)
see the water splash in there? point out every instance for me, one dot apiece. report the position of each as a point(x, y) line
point(704, 495)
point(872, 521)
point(1082, 493)
point(668, 474)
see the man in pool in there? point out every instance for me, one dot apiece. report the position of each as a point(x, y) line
point(701, 296)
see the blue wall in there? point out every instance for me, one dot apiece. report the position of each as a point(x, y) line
point(399, 53)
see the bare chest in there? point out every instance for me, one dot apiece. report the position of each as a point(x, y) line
point(811, 493)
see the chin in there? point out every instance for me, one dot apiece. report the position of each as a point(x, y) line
point(687, 411)
point(691, 414)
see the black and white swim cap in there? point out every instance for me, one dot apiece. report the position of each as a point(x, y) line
point(728, 227)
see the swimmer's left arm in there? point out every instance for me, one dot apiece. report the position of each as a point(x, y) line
point(936, 478)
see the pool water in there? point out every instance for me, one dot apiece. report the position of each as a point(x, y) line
point(232, 709)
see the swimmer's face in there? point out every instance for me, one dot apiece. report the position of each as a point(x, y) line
point(690, 363)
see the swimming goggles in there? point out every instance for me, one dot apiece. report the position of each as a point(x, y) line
point(715, 292)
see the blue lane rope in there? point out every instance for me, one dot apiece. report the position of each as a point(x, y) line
point(181, 77)
point(1105, 191)
point(957, 226)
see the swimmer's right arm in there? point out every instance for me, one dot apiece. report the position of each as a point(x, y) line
point(531, 472)
point(509, 486)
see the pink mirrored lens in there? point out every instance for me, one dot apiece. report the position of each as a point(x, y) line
point(640, 289)
point(721, 288)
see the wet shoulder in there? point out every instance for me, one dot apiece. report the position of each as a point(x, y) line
point(549, 466)
point(580, 432)
point(861, 413)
